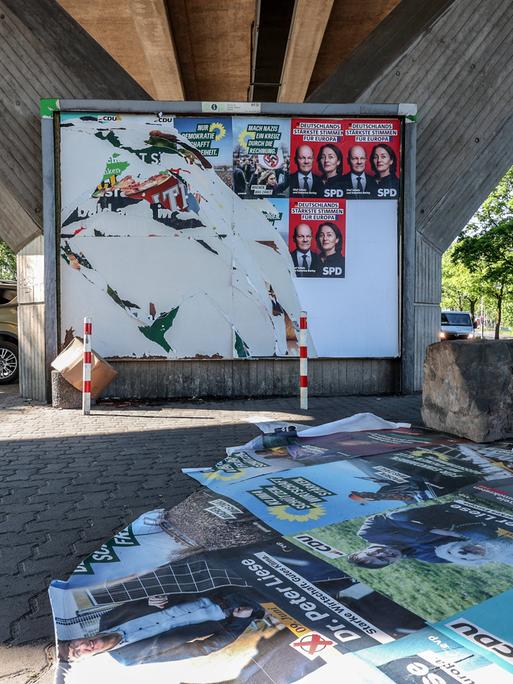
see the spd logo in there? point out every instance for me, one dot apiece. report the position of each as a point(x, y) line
point(387, 193)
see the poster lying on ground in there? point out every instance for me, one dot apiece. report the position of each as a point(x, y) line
point(266, 612)
point(428, 657)
point(460, 544)
point(167, 221)
point(293, 500)
point(209, 592)
point(486, 629)
point(287, 449)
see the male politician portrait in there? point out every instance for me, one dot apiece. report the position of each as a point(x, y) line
point(433, 534)
point(305, 261)
point(357, 184)
point(304, 183)
point(152, 632)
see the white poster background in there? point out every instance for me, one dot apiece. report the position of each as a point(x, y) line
point(358, 316)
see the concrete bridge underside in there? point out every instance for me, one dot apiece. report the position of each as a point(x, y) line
point(453, 58)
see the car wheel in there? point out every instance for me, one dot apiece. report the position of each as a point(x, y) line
point(9, 365)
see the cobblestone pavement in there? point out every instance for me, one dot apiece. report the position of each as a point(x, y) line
point(68, 482)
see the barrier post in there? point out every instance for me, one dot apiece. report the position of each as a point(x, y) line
point(86, 367)
point(303, 362)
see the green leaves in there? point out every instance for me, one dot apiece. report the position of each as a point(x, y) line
point(7, 262)
point(490, 253)
point(497, 208)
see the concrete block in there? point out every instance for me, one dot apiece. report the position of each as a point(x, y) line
point(468, 389)
point(64, 395)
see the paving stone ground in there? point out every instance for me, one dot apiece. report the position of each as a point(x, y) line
point(68, 482)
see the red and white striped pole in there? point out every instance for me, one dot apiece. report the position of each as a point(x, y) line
point(303, 362)
point(86, 367)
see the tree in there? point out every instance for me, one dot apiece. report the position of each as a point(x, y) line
point(498, 207)
point(7, 262)
point(462, 288)
point(490, 254)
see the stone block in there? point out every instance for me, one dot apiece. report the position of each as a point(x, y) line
point(468, 389)
point(64, 395)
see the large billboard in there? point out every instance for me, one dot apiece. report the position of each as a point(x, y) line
point(205, 236)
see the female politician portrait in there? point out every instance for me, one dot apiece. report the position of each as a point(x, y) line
point(384, 164)
point(329, 161)
point(329, 240)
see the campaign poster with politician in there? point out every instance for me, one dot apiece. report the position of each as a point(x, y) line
point(209, 591)
point(317, 158)
point(458, 543)
point(317, 238)
point(266, 612)
point(296, 499)
point(237, 222)
point(372, 149)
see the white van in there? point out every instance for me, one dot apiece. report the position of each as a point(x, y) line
point(456, 325)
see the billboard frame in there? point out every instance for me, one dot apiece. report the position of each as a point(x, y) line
point(50, 110)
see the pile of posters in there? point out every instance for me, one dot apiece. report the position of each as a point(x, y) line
point(360, 548)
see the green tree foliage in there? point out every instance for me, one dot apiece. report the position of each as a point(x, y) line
point(489, 254)
point(498, 207)
point(477, 269)
point(462, 288)
point(7, 262)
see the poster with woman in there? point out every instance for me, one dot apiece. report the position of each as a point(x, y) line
point(371, 150)
point(317, 238)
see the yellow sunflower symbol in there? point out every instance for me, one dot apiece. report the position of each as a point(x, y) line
point(422, 453)
point(282, 513)
point(244, 136)
point(225, 477)
point(218, 129)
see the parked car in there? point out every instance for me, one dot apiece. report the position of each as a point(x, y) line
point(9, 364)
point(456, 325)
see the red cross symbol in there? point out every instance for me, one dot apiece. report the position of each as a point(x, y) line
point(312, 643)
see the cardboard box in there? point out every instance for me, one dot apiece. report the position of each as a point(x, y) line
point(69, 365)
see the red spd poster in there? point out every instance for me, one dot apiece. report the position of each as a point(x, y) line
point(371, 149)
point(317, 237)
point(317, 162)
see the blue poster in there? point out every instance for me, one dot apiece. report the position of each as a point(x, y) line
point(213, 138)
point(486, 628)
point(296, 500)
point(425, 657)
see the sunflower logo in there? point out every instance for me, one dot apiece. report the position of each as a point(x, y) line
point(244, 136)
point(224, 477)
point(426, 453)
point(282, 513)
point(218, 129)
